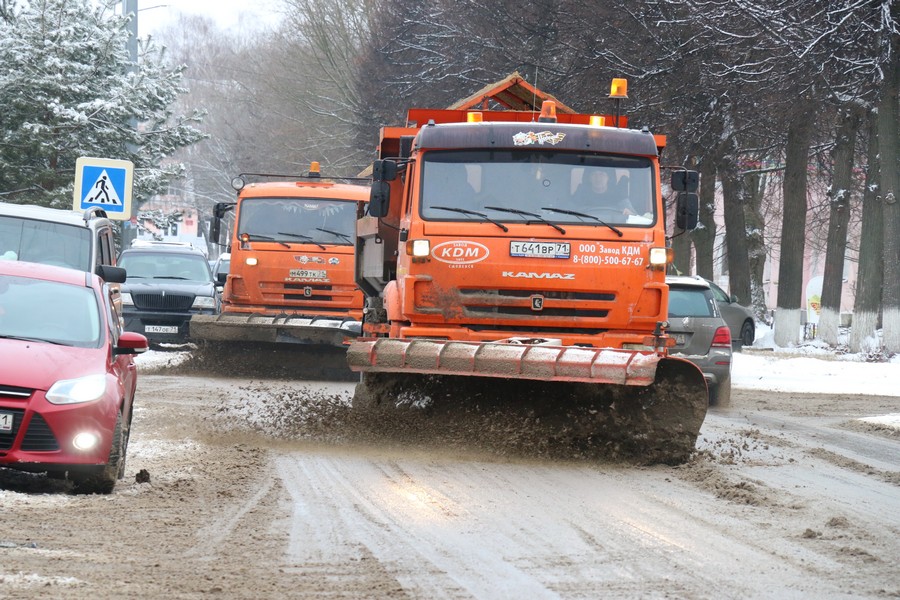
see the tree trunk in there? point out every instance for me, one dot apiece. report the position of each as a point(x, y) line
point(756, 244)
point(734, 195)
point(850, 119)
point(888, 142)
point(869, 275)
point(681, 245)
point(704, 237)
point(793, 227)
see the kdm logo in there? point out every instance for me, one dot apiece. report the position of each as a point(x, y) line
point(533, 275)
point(461, 252)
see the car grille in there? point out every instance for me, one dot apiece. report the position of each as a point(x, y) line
point(15, 393)
point(38, 437)
point(163, 301)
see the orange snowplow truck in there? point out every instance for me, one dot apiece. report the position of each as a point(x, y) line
point(527, 250)
point(291, 276)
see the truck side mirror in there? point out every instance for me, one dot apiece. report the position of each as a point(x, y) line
point(221, 208)
point(219, 211)
point(379, 199)
point(384, 170)
point(685, 181)
point(687, 211)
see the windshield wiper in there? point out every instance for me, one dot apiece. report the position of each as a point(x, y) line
point(539, 218)
point(31, 339)
point(466, 211)
point(580, 214)
point(300, 236)
point(259, 236)
point(336, 234)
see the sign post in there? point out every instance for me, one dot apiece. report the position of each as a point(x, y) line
point(105, 183)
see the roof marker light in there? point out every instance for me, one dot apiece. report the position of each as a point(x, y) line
point(314, 169)
point(619, 88)
point(597, 121)
point(548, 112)
point(474, 117)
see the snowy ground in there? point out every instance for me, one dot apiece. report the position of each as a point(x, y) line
point(808, 368)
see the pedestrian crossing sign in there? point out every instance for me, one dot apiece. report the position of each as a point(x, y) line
point(106, 183)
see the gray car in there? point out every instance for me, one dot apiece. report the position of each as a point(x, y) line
point(738, 317)
point(700, 333)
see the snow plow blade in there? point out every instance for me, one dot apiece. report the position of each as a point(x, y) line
point(635, 405)
point(287, 329)
point(503, 359)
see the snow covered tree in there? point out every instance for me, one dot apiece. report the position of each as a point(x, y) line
point(69, 89)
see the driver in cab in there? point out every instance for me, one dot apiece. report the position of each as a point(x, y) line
point(598, 194)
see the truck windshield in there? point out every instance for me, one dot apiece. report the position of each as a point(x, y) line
point(298, 220)
point(44, 242)
point(562, 187)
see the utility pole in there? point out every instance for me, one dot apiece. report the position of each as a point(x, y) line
point(130, 7)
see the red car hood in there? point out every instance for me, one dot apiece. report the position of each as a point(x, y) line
point(39, 365)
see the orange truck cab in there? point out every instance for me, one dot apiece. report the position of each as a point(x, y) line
point(291, 276)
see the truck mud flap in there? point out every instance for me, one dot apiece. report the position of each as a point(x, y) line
point(279, 330)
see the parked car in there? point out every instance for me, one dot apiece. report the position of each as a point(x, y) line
point(64, 238)
point(740, 318)
point(700, 333)
point(220, 268)
point(167, 284)
point(68, 377)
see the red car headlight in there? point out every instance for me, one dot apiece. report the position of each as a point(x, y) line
point(75, 391)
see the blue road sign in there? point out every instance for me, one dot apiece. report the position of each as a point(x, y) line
point(105, 183)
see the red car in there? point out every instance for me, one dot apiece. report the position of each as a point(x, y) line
point(67, 376)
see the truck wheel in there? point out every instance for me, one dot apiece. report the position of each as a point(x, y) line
point(747, 334)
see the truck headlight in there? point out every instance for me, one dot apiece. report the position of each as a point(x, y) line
point(126, 299)
point(659, 257)
point(418, 248)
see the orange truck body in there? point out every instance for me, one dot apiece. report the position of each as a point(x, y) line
point(565, 279)
point(291, 277)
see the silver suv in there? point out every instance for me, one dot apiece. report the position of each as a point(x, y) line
point(701, 335)
point(66, 238)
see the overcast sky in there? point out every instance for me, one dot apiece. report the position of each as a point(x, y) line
point(154, 15)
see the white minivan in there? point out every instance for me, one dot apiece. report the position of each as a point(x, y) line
point(66, 238)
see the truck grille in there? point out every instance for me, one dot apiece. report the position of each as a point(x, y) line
point(516, 304)
point(309, 296)
point(159, 301)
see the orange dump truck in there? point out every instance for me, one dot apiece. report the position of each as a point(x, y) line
point(492, 257)
point(291, 277)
